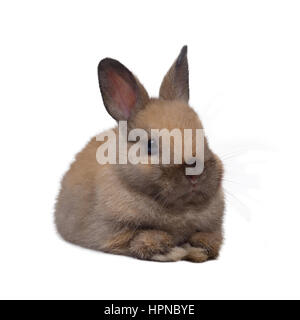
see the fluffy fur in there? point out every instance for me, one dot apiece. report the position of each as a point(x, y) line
point(150, 212)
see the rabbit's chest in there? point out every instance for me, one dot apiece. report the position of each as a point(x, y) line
point(184, 225)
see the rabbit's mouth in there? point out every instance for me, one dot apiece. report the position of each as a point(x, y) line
point(198, 190)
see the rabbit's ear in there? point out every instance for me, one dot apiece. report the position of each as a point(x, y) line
point(175, 85)
point(122, 93)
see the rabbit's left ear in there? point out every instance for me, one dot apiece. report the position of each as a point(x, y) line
point(175, 85)
point(122, 93)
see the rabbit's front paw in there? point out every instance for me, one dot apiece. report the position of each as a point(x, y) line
point(195, 254)
point(150, 243)
point(209, 241)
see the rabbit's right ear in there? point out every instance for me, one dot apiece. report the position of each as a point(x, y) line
point(175, 85)
point(122, 93)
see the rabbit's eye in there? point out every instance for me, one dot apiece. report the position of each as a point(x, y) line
point(152, 148)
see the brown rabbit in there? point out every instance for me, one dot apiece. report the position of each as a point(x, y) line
point(147, 211)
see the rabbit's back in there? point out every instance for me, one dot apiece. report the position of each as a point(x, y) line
point(77, 196)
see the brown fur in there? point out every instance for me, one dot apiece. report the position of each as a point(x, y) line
point(148, 243)
point(145, 211)
point(195, 254)
point(212, 241)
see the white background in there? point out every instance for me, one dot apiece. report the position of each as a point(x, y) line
point(245, 78)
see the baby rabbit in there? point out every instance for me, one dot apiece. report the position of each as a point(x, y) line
point(147, 211)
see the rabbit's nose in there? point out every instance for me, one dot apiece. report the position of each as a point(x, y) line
point(193, 179)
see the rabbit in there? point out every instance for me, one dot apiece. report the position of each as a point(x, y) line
point(145, 211)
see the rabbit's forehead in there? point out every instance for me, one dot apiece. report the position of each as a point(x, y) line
point(160, 114)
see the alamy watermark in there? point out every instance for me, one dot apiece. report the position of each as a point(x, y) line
point(156, 146)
